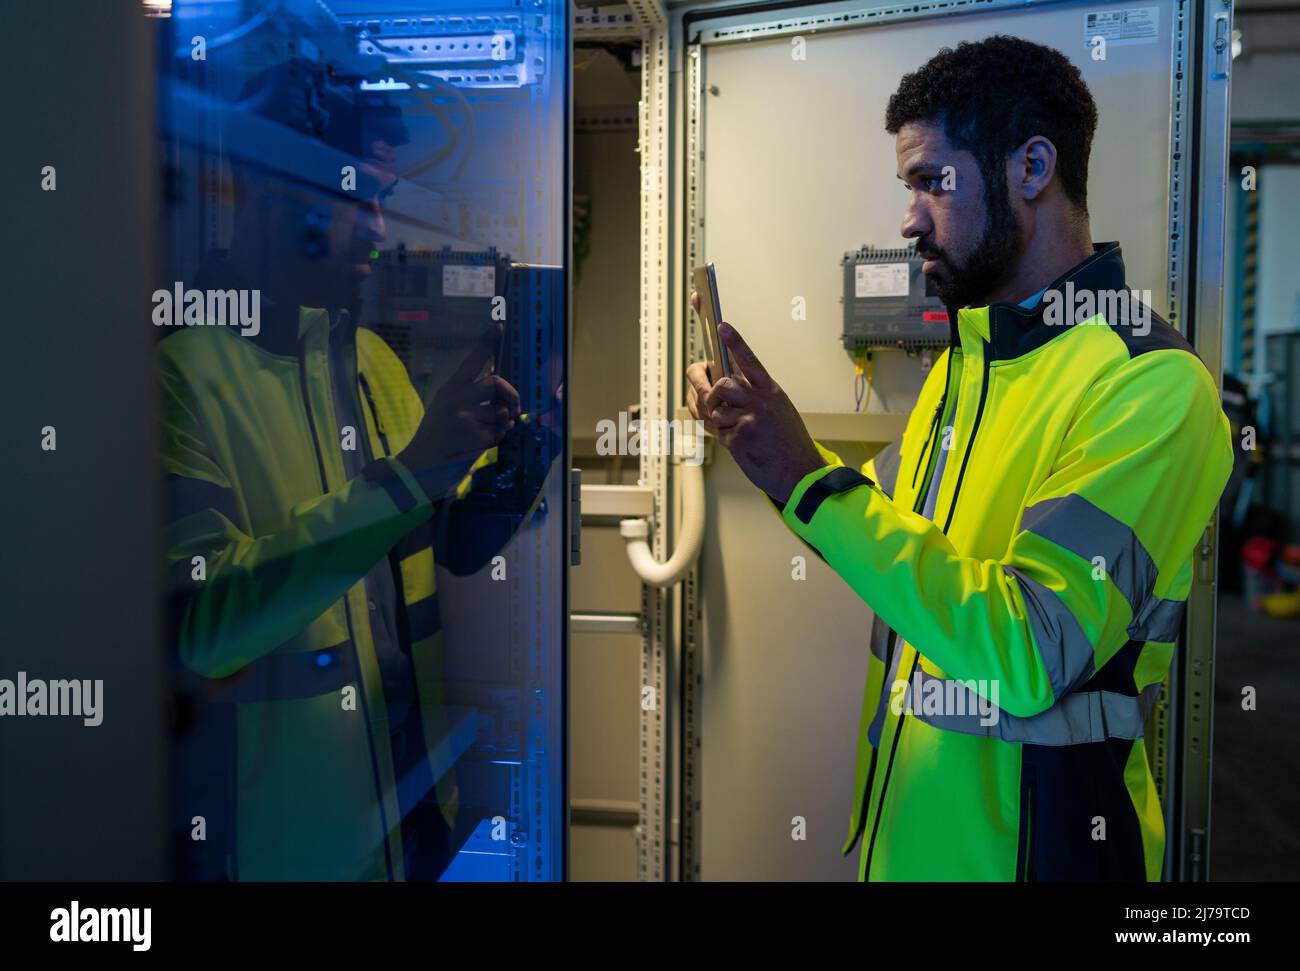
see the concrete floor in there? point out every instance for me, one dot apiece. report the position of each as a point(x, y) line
point(1255, 796)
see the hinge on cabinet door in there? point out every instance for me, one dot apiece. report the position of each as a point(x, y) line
point(1197, 857)
point(1222, 47)
point(575, 517)
point(1205, 556)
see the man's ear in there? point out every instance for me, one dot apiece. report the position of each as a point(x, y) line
point(1035, 162)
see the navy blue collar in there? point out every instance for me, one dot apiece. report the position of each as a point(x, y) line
point(1015, 330)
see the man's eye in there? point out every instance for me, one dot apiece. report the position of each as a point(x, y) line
point(932, 183)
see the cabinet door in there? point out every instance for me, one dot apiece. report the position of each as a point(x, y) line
point(362, 341)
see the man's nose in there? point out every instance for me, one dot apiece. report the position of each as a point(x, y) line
point(370, 222)
point(916, 222)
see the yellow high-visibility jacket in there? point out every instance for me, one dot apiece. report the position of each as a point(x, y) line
point(301, 787)
point(1086, 453)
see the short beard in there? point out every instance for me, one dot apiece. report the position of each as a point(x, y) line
point(993, 257)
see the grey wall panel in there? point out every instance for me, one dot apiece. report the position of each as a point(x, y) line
point(602, 853)
point(797, 170)
point(605, 581)
point(603, 717)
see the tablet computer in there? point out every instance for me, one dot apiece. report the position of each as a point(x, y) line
point(718, 360)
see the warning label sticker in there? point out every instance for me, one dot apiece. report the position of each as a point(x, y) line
point(1132, 25)
point(880, 280)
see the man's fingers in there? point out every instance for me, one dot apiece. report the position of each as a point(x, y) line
point(695, 403)
point(492, 389)
point(726, 418)
point(728, 391)
point(500, 391)
point(491, 412)
point(750, 366)
point(695, 301)
point(698, 376)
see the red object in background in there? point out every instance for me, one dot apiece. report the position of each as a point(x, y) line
point(1257, 554)
point(1259, 576)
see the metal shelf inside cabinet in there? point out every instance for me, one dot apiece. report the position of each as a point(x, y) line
point(882, 427)
point(855, 426)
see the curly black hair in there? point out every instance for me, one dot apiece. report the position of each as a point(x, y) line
point(992, 95)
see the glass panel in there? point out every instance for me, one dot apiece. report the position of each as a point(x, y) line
point(361, 359)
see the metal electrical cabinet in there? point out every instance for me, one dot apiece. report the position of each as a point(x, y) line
point(781, 166)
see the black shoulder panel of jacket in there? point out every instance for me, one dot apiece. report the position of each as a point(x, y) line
point(1148, 331)
point(1015, 331)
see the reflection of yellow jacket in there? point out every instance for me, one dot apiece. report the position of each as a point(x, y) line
point(1083, 464)
point(278, 629)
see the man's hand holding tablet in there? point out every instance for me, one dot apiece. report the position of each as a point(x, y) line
point(749, 413)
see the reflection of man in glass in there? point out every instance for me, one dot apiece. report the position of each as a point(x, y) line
point(302, 475)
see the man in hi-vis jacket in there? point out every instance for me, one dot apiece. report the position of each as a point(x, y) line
point(1027, 545)
point(317, 492)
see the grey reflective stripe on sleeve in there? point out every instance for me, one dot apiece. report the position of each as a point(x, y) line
point(886, 463)
point(886, 690)
point(1075, 524)
point(1077, 719)
point(1159, 621)
point(1061, 642)
point(880, 635)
